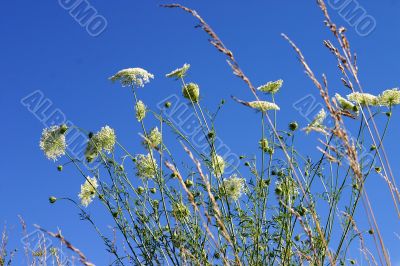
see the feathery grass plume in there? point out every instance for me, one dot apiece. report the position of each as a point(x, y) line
point(153, 139)
point(88, 191)
point(363, 98)
point(180, 211)
point(105, 140)
point(271, 87)
point(233, 187)
point(389, 97)
point(179, 72)
point(263, 106)
point(191, 92)
point(344, 103)
point(218, 165)
point(53, 142)
point(132, 77)
point(317, 123)
point(146, 166)
point(141, 111)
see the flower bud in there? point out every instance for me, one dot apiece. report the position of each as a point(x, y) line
point(140, 190)
point(59, 168)
point(293, 126)
point(167, 104)
point(188, 183)
point(52, 199)
point(153, 190)
point(63, 128)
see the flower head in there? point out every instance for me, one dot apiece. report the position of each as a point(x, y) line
point(141, 111)
point(105, 140)
point(179, 72)
point(146, 166)
point(344, 104)
point(389, 97)
point(263, 105)
point(191, 92)
point(317, 123)
point(363, 98)
point(271, 87)
point(88, 191)
point(154, 138)
point(218, 165)
point(180, 211)
point(233, 187)
point(132, 77)
point(53, 142)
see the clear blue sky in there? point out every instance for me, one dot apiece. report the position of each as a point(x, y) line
point(43, 48)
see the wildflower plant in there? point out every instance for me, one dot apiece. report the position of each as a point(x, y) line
point(200, 209)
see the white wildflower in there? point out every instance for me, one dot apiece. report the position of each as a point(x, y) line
point(271, 87)
point(88, 191)
point(146, 166)
point(344, 104)
point(133, 77)
point(141, 111)
point(233, 187)
point(105, 140)
point(317, 123)
point(263, 105)
point(363, 98)
point(389, 97)
point(218, 165)
point(53, 142)
point(153, 139)
point(179, 72)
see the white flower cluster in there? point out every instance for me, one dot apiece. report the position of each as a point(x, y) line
point(218, 165)
point(133, 77)
point(233, 187)
point(317, 123)
point(263, 106)
point(141, 111)
point(153, 139)
point(179, 72)
point(53, 142)
point(104, 140)
point(88, 191)
point(146, 166)
point(271, 87)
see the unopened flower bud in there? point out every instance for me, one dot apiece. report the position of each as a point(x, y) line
point(52, 199)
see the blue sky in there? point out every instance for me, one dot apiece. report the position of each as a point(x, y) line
point(44, 48)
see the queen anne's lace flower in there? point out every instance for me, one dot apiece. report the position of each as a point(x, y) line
point(53, 142)
point(271, 87)
point(389, 97)
point(88, 191)
point(179, 73)
point(344, 104)
point(141, 111)
point(191, 92)
point(363, 98)
point(146, 166)
point(263, 105)
point(133, 77)
point(317, 123)
point(154, 138)
point(218, 165)
point(105, 140)
point(180, 211)
point(233, 187)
